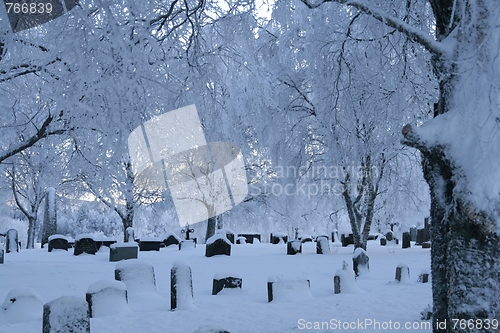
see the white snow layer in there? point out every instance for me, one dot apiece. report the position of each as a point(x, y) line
point(183, 285)
point(20, 305)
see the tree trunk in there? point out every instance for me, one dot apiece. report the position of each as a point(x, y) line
point(30, 243)
point(211, 225)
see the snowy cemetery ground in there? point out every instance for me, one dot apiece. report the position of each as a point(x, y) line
point(379, 298)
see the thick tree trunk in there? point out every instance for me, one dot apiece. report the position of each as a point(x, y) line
point(211, 225)
point(30, 243)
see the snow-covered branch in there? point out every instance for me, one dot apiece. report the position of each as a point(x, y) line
point(415, 34)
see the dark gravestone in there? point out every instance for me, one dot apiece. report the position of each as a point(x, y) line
point(336, 284)
point(84, 245)
point(58, 242)
point(423, 278)
point(12, 244)
point(171, 239)
point(347, 239)
point(129, 235)
point(217, 245)
point(420, 237)
point(276, 238)
point(181, 286)
point(406, 240)
point(106, 298)
point(67, 314)
point(402, 273)
point(123, 251)
point(293, 247)
point(228, 233)
point(413, 234)
point(426, 245)
point(225, 281)
point(149, 244)
point(389, 236)
point(2, 255)
point(250, 237)
point(426, 230)
point(187, 244)
point(241, 240)
point(383, 241)
point(360, 261)
point(282, 286)
point(322, 246)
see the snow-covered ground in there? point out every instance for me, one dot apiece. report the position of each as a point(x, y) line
point(382, 301)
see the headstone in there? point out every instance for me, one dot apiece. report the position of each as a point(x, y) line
point(106, 298)
point(226, 281)
point(21, 305)
point(241, 240)
point(413, 234)
point(406, 240)
point(170, 238)
point(344, 281)
point(129, 235)
point(149, 244)
point(12, 241)
point(277, 237)
point(423, 278)
point(383, 241)
point(389, 236)
point(228, 233)
point(305, 238)
point(293, 247)
point(138, 275)
point(336, 284)
point(360, 261)
point(420, 237)
point(250, 237)
point(426, 245)
point(2, 253)
point(347, 239)
point(335, 236)
point(58, 242)
point(287, 289)
point(426, 230)
point(84, 244)
point(67, 314)
point(181, 286)
point(402, 273)
point(322, 245)
point(187, 244)
point(218, 244)
point(123, 251)
point(187, 231)
point(49, 216)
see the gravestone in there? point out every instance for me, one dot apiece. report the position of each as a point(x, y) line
point(413, 234)
point(402, 273)
point(58, 242)
point(228, 233)
point(2, 253)
point(187, 244)
point(406, 240)
point(287, 288)
point(389, 236)
point(84, 244)
point(347, 239)
point(129, 235)
point(226, 281)
point(277, 237)
point(138, 275)
point(423, 278)
point(383, 241)
point(66, 314)
point(169, 238)
point(218, 244)
point(149, 244)
point(21, 305)
point(187, 230)
point(344, 280)
point(426, 230)
point(12, 244)
point(250, 237)
point(106, 298)
point(322, 245)
point(123, 251)
point(293, 247)
point(426, 245)
point(360, 261)
point(420, 237)
point(241, 240)
point(181, 286)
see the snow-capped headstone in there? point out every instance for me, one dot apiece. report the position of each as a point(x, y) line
point(250, 237)
point(389, 236)
point(278, 237)
point(241, 240)
point(406, 240)
point(322, 245)
point(107, 298)
point(284, 288)
point(420, 237)
point(228, 232)
point(346, 239)
point(383, 241)
point(413, 234)
point(360, 261)
point(169, 238)
point(226, 281)
point(129, 234)
point(218, 244)
point(402, 273)
point(149, 244)
point(49, 215)
point(12, 244)
point(59, 242)
point(424, 276)
point(67, 314)
point(181, 286)
point(21, 305)
point(123, 251)
point(138, 275)
point(344, 281)
point(84, 243)
point(187, 244)
point(293, 247)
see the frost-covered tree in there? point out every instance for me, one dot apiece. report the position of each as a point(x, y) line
point(459, 147)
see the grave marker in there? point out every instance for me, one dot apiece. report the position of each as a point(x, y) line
point(67, 314)
point(181, 286)
point(12, 241)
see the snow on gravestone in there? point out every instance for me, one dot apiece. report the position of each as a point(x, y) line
point(226, 281)
point(402, 273)
point(285, 289)
point(12, 244)
point(181, 287)
point(345, 281)
point(360, 261)
point(218, 244)
point(107, 297)
point(129, 235)
point(66, 314)
point(49, 215)
point(293, 247)
point(322, 245)
point(139, 277)
point(169, 238)
point(21, 305)
point(2, 251)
